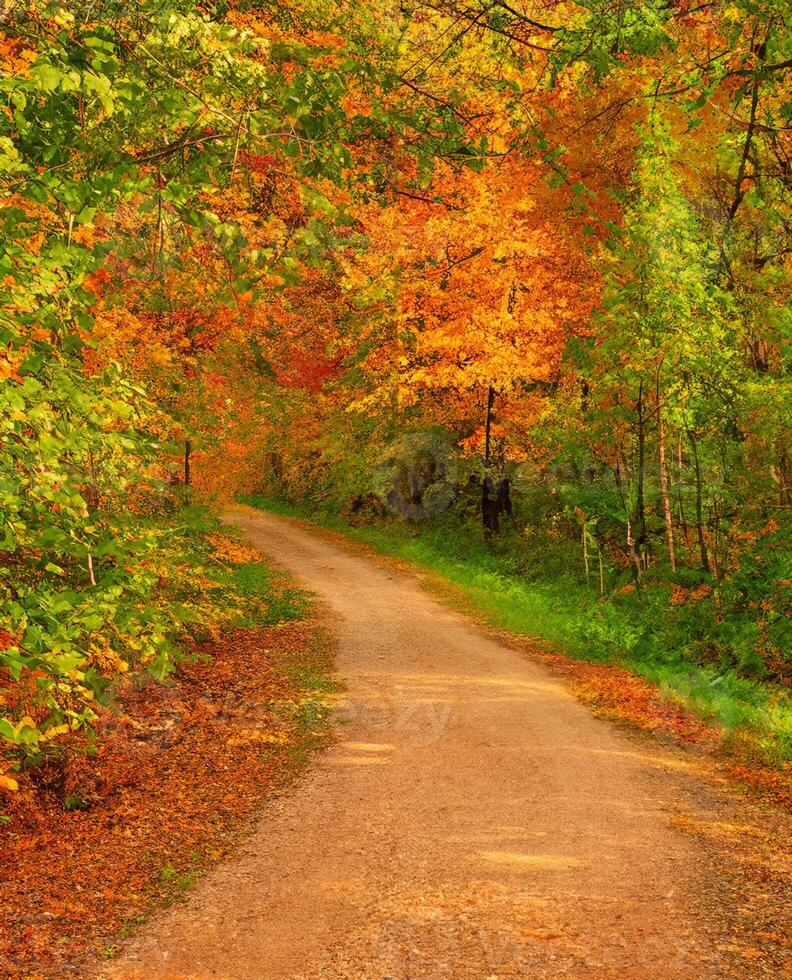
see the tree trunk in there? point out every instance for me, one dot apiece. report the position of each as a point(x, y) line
point(586, 556)
point(601, 573)
point(705, 563)
point(488, 424)
point(682, 518)
point(640, 510)
point(781, 472)
point(488, 518)
point(635, 555)
point(661, 451)
point(715, 539)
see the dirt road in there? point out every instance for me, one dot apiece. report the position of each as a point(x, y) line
point(473, 820)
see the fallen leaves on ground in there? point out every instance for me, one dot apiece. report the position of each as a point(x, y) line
point(180, 767)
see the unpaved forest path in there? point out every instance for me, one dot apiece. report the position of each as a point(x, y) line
point(473, 820)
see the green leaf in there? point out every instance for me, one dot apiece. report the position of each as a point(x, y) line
point(47, 76)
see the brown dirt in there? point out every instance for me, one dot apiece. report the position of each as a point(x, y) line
point(474, 820)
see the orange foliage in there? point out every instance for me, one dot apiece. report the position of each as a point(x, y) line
point(178, 768)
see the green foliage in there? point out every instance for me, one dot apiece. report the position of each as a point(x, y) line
point(271, 603)
point(599, 32)
point(181, 581)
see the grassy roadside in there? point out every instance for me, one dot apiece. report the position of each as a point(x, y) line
point(754, 718)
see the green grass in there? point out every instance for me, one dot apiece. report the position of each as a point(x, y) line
point(174, 883)
point(640, 633)
point(278, 603)
point(312, 674)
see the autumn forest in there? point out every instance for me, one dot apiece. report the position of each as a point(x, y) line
point(498, 289)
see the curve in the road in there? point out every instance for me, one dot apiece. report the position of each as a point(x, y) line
point(473, 819)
